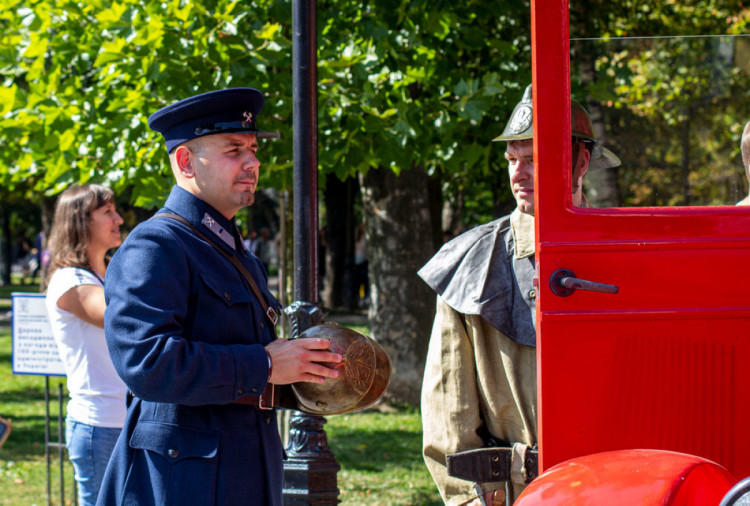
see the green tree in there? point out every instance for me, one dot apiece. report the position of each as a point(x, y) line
point(82, 78)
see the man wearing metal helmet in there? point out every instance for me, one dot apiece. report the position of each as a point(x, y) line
point(745, 148)
point(479, 387)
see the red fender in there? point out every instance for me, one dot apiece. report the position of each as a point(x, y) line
point(628, 477)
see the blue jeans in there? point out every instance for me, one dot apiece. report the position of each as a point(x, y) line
point(89, 449)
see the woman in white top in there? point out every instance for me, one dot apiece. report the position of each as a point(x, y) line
point(86, 226)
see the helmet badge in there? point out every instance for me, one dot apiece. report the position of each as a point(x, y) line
point(521, 120)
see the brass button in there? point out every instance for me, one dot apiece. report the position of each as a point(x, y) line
point(262, 325)
point(268, 418)
point(240, 391)
point(532, 294)
point(254, 390)
point(173, 453)
point(227, 297)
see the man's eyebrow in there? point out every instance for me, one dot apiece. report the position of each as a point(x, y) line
point(238, 143)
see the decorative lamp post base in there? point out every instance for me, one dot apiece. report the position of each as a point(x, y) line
point(310, 469)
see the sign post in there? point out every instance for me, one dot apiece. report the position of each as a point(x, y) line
point(34, 351)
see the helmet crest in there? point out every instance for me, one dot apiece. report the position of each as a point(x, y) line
point(520, 127)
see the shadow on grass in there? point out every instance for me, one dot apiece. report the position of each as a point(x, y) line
point(382, 466)
point(374, 450)
point(26, 438)
point(7, 290)
point(25, 395)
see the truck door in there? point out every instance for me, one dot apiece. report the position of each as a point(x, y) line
point(664, 363)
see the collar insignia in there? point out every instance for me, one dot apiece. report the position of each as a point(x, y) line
point(218, 230)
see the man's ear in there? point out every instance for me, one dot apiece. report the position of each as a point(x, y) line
point(184, 159)
point(582, 166)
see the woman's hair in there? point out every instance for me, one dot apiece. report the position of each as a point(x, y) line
point(69, 237)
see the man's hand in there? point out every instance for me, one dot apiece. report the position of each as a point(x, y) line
point(302, 360)
point(491, 498)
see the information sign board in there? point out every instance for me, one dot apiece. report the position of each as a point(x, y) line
point(34, 350)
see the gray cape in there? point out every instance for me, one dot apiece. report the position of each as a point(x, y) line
point(477, 273)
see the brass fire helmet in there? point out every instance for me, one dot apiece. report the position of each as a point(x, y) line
point(520, 127)
point(364, 373)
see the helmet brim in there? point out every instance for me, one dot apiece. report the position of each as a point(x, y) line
point(603, 158)
point(524, 136)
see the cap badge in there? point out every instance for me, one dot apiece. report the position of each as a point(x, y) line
point(248, 117)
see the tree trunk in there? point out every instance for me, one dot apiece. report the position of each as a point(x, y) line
point(398, 227)
point(601, 186)
point(339, 196)
point(685, 137)
point(7, 243)
point(48, 212)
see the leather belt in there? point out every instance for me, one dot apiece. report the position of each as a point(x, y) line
point(269, 399)
point(485, 465)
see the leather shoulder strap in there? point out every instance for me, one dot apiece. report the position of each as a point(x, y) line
point(268, 310)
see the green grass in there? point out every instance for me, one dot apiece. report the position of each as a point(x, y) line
point(6, 290)
point(380, 458)
point(379, 452)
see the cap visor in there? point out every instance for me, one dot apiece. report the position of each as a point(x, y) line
point(267, 135)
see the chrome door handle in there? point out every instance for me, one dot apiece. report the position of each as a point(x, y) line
point(563, 283)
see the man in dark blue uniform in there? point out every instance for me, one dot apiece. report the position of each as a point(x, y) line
point(192, 335)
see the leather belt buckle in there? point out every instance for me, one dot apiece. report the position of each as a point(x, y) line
point(271, 314)
point(267, 398)
point(486, 465)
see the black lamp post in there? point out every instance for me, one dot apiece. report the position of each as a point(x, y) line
point(310, 469)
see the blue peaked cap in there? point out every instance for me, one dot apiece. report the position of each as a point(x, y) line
point(233, 110)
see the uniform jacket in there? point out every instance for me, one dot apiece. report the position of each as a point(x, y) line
point(187, 336)
point(480, 373)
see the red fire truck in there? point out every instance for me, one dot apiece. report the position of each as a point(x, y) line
point(644, 395)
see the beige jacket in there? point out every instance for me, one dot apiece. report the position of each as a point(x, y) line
point(475, 375)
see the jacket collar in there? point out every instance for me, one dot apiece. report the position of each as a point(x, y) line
point(522, 227)
point(203, 217)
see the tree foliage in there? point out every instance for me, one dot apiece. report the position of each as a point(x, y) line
point(401, 83)
point(675, 94)
point(81, 79)
point(422, 83)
